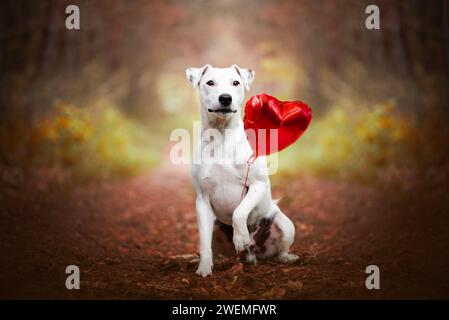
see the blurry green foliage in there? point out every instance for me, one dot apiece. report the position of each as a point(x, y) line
point(90, 143)
point(355, 143)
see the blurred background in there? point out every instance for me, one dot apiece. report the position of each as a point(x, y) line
point(100, 102)
point(86, 116)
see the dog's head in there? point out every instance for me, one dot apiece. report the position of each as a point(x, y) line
point(221, 89)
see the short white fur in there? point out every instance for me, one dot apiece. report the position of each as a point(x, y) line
point(218, 184)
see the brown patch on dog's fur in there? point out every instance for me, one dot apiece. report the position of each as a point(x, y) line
point(262, 234)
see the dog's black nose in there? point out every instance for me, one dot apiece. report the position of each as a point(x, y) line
point(225, 100)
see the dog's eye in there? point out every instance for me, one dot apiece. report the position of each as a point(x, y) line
point(210, 83)
point(235, 83)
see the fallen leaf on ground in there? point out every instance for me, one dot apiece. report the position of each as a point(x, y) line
point(237, 268)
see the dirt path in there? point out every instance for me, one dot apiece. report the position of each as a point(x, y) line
point(137, 238)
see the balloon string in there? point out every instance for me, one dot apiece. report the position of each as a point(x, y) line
point(244, 183)
point(248, 163)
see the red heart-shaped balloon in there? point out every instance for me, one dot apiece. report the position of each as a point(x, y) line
point(263, 113)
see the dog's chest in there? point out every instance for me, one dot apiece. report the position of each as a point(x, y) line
point(224, 184)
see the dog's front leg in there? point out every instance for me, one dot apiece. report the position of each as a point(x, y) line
point(241, 237)
point(205, 217)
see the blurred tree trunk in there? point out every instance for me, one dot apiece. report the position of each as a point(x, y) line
point(446, 31)
point(403, 59)
point(49, 51)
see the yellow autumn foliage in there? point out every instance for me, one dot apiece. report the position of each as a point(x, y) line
point(96, 143)
point(347, 142)
point(100, 142)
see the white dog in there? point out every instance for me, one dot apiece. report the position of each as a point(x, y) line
point(259, 226)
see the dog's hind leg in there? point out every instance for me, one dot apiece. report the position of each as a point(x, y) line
point(287, 229)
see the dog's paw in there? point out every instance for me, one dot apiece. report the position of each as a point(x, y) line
point(251, 258)
point(287, 257)
point(241, 241)
point(204, 269)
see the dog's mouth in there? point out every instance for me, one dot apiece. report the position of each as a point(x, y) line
point(222, 110)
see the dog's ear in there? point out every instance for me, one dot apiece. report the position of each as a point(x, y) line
point(194, 75)
point(247, 75)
